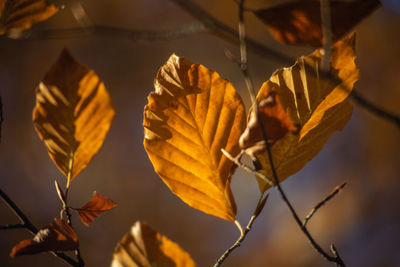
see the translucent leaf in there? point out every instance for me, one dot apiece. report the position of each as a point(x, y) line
point(192, 114)
point(58, 236)
point(299, 22)
point(20, 15)
point(97, 205)
point(315, 108)
point(73, 114)
point(144, 247)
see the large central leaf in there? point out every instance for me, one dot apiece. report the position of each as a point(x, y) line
point(192, 114)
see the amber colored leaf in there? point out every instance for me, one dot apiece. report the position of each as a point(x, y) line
point(299, 22)
point(91, 210)
point(73, 114)
point(144, 247)
point(314, 104)
point(58, 236)
point(20, 15)
point(192, 114)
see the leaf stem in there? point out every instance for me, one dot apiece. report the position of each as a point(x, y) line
point(247, 168)
point(27, 224)
point(243, 233)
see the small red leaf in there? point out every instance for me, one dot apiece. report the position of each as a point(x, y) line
point(58, 236)
point(95, 207)
point(299, 22)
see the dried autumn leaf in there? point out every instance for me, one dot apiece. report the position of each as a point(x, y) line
point(316, 104)
point(192, 114)
point(299, 22)
point(58, 236)
point(73, 114)
point(144, 247)
point(95, 207)
point(20, 15)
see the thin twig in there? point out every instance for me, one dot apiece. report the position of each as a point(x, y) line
point(334, 192)
point(326, 25)
point(260, 205)
point(115, 32)
point(31, 228)
point(12, 226)
point(371, 107)
point(247, 168)
point(335, 259)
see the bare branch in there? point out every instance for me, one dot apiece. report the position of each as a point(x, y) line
point(334, 192)
point(260, 205)
point(31, 228)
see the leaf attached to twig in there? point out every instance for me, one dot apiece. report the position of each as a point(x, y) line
point(304, 108)
point(299, 22)
point(192, 114)
point(91, 210)
point(73, 114)
point(144, 247)
point(20, 15)
point(58, 236)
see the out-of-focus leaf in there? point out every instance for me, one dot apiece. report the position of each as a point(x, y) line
point(91, 210)
point(299, 22)
point(192, 114)
point(144, 247)
point(20, 15)
point(58, 236)
point(315, 104)
point(73, 114)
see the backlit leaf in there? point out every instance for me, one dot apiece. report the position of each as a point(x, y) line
point(20, 15)
point(58, 236)
point(299, 22)
point(73, 114)
point(95, 207)
point(192, 114)
point(316, 105)
point(144, 247)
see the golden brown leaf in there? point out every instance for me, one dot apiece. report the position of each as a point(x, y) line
point(299, 22)
point(144, 247)
point(192, 114)
point(317, 105)
point(58, 236)
point(95, 207)
point(73, 114)
point(20, 15)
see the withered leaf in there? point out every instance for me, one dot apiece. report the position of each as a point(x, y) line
point(73, 114)
point(144, 247)
point(317, 105)
point(20, 15)
point(299, 22)
point(58, 236)
point(192, 114)
point(91, 210)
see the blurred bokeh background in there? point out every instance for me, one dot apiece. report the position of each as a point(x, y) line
point(363, 221)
